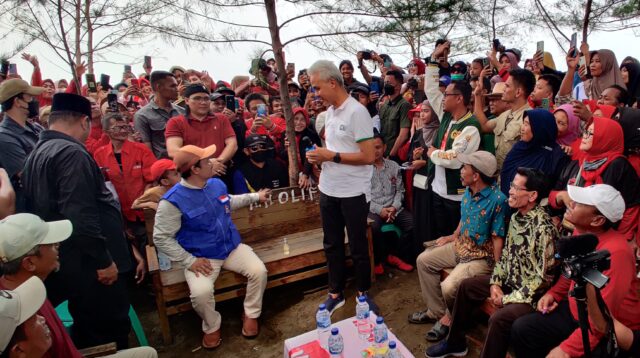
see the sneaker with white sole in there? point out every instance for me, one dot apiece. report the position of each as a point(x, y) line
point(333, 304)
point(443, 350)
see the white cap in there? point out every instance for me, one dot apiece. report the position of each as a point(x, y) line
point(20, 233)
point(604, 197)
point(18, 306)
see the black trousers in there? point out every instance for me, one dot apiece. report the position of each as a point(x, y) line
point(446, 216)
point(338, 213)
point(471, 294)
point(383, 242)
point(100, 313)
point(535, 334)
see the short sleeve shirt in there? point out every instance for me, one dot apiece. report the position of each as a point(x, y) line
point(214, 129)
point(151, 121)
point(345, 127)
point(393, 116)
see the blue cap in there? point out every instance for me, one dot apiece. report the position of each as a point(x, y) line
point(445, 80)
point(362, 299)
point(322, 307)
point(379, 320)
point(334, 331)
point(392, 344)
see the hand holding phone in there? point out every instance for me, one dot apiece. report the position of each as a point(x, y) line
point(13, 69)
point(230, 102)
point(540, 47)
point(573, 43)
point(91, 82)
point(127, 68)
point(147, 62)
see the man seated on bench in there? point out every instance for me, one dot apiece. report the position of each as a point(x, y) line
point(28, 251)
point(165, 175)
point(193, 227)
point(386, 208)
point(471, 250)
point(524, 271)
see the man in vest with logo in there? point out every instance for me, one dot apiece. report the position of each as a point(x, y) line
point(193, 227)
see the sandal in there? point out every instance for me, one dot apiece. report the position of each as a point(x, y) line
point(420, 317)
point(437, 333)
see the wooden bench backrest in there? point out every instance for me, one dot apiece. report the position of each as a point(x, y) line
point(289, 211)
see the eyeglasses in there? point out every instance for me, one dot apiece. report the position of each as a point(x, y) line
point(200, 99)
point(517, 188)
point(257, 147)
point(587, 134)
point(452, 94)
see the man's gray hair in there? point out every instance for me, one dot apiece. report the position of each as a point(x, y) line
point(327, 70)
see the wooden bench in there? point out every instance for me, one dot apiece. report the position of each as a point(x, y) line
point(291, 213)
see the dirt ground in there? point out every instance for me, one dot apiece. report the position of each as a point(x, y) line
point(289, 311)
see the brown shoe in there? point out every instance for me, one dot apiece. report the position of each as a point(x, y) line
point(250, 327)
point(211, 340)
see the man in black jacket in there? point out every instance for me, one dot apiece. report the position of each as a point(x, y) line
point(62, 181)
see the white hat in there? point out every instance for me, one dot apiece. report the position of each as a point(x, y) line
point(18, 306)
point(604, 197)
point(20, 233)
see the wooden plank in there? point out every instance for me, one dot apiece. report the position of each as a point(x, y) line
point(152, 259)
point(99, 351)
point(162, 308)
point(149, 220)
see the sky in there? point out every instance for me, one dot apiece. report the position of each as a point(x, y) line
point(226, 62)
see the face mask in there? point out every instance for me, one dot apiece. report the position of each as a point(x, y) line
point(259, 156)
point(34, 109)
point(389, 89)
point(457, 77)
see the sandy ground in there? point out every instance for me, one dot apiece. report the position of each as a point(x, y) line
point(289, 311)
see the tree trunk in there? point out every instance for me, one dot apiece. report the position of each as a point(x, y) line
point(78, 28)
point(66, 46)
point(585, 22)
point(276, 44)
point(87, 15)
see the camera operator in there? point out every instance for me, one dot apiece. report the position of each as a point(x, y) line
point(554, 330)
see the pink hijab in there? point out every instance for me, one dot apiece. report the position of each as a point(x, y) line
point(573, 127)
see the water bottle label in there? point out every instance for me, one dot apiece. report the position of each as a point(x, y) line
point(380, 336)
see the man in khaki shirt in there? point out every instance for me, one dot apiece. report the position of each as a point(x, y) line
point(506, 126)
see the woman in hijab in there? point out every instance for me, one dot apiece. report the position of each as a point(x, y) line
point(508, 62)
point(536, 149)
point(305, 137)
point(602, 162)
point(427, 127)
point(568, 129)
point(630, 72)
point(605, 72)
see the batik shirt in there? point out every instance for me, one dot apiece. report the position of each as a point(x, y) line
point(482, 216)
point(527, 261)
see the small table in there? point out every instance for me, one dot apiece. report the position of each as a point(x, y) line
point(353, 345)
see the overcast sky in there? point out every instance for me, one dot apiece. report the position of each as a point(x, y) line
point(227, 62)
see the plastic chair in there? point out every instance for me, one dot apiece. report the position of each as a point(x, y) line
point(67, 321)
point(391, 228)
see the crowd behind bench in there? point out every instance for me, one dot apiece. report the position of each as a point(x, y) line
point(478, 167)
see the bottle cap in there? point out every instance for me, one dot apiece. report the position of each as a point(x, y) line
point(334, 331)
point(392, 344)
point(361, 299)
point(322, 307)
point(379, 320)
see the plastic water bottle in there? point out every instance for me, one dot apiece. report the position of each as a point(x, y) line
point(362, 317)
point(336, 343)
point(380, 334)
point(323, 322)
point(393, 351)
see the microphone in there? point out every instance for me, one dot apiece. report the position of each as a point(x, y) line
point(579, 245)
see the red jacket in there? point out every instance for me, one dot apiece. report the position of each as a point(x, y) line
point(130, 183)
point(620, 294)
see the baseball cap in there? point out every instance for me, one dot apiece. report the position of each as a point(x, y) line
point(253, 139)
point(445, 80)
point(15, 86)
point(216, 95)
point(177, 68)
point(604, 197)
point(224, 88)
point(414, 110)
point(18, 305)
point(360, 87)
point(20, 233)
point(485, 162)
point(498, 90)
point(189, 155)
point(160, 166)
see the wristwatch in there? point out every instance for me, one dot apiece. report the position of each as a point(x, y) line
point(336, 158)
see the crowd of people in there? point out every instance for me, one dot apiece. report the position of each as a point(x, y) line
point(477, 168)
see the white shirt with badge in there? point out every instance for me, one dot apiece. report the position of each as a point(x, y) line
point(345, 127)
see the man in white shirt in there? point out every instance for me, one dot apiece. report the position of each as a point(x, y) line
point(345, 181)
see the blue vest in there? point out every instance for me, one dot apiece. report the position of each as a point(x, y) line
point(207, 230)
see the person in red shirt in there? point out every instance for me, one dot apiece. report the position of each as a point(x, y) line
point(553, 332)
point(127, 165)
point(31, 250)
point(36, 80)
point(257, 124)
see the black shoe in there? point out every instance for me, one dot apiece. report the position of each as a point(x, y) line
point(333, 304)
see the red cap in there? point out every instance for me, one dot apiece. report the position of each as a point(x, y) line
point(160, 166)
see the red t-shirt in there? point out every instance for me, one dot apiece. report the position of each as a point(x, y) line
point(214, 129)
point(61, 343)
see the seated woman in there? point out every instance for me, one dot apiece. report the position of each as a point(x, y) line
point(537, 148)
point(602, 162)
point(305, 137)
point(568, 129)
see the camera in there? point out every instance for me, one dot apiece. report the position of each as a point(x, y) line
point(366, 54)
point(498, 46)
point(582, 263)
